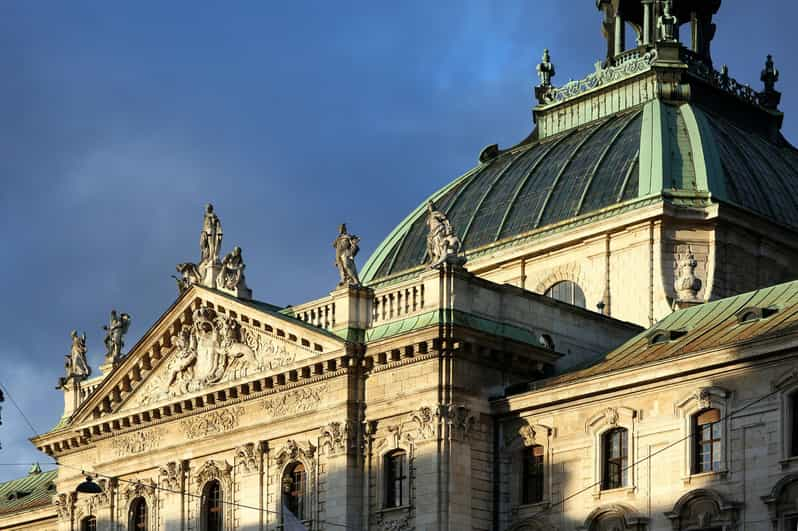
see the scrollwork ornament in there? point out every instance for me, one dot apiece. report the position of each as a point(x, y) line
point(246, 458)
point(337, 437)
point(611, 416)
point(171, 474)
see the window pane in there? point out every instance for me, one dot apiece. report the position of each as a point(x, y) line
point(567, 291)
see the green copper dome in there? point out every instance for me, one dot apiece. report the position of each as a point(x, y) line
point(654, 150)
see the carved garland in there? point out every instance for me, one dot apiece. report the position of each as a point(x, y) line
point(136, 443)
point(294, 402)
point(211, 423)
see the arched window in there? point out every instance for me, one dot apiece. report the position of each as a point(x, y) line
point(137, 516)
point(532, 483)
point(212, 506)
point(615, 458)
point(295, 489)
point(88, 524)
point(395, 466)
point(707, 440)
point(567, 291)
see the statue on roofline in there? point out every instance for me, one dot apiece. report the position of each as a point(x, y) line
point(346, 248)
point(232, 274)
point(442, 243)
point(210, 237)
point(75, 362)
point(115, 330)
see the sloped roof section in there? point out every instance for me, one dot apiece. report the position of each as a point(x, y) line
point(34, 490)
point(530, 186)
point(712, 325)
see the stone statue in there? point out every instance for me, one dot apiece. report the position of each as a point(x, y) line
point(770, 75)
point(189, 275)
point(667, 23)
point(231, 276)
point(346, 248)
point(210, 237)
point(546, 69)
point(114, 336)
point(442, 242)
point(687, 284)
point(75, 362)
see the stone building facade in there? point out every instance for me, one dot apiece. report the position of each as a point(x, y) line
point(589, 330)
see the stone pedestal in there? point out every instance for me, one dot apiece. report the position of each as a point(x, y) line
point(209, 272)
point(352, 310)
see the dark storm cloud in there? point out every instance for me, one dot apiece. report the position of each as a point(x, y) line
point(119, 121)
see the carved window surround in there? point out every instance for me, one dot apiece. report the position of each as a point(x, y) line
point(296, 452)
point(129, 490)
point(596, 426)
point(221, 471)
point(517, 437)
point(700, 399)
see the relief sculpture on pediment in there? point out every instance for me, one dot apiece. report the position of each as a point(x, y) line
point(214, 348)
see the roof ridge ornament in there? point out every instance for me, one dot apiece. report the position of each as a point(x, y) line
point(770, 97)
point(546, 72)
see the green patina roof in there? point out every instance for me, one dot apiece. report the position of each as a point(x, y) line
point(653, 150)
point(25, 493)
point(707, 326)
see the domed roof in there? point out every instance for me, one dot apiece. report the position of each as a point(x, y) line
point(652, 151)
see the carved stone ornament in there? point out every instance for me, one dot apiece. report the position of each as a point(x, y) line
point(686, 284)
point(136, 442)
point(77, 368)
point(220, 470)
point(426, 419)
point(231, 275)
point(246, 458)
point(611, 416)
point(63, 505)
point(213, 349)
point(337, 437)
point(528, 435)
point(115, 331)
point(442, 243)
point(460, 421)
point(134, 489)
point(170, 475)
point(386, 523)
point(294, 450)
point(703, 398)
point(346, 248)
point(294, 402)
point(211, 423)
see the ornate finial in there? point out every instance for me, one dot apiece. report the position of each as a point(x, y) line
point(770, 75)
point(771, 97)
point(115, 331)
point(442, 243)
point(546, 72)
point(346, 248)
point(667, 23)
point(77, 368)
point(687, 284)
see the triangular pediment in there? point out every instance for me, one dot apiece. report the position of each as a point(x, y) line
point(204, 341)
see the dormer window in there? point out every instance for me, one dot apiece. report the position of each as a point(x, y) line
point(665, 336)
point(755, 314)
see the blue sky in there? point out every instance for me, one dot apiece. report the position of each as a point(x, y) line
point(120, 120)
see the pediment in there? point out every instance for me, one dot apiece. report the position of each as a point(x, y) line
point(206, 340)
